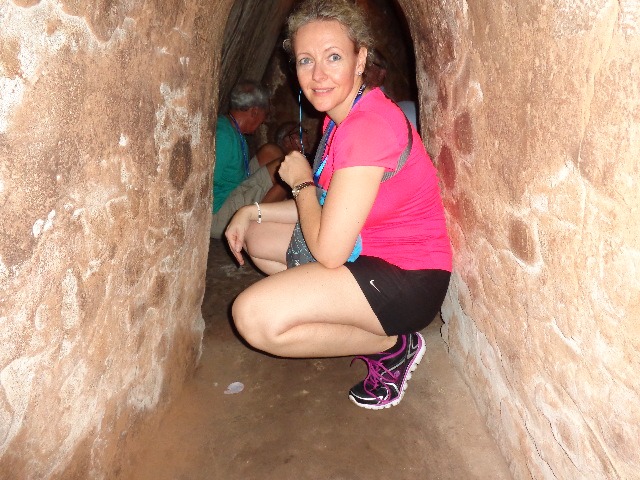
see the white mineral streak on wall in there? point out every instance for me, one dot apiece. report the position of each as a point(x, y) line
point(597, 281)
point(49, 222)
point(41, 226)
point(630, 16)
point(28, 27)
point(4, 271)
point(539, 203)
point(11, 93)
point(28, 62)
point(572, 16)
point(37, 227)
point(565, 186)
point(480, 347)
point(570, 342)
point(465, 10)
point(173, 119)
point(125, 176)
point(81, 412)
point(16, 380)
point(145, 393)
point(70, 310)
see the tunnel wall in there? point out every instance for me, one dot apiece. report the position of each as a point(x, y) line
point(532, 114)
point(105, 199)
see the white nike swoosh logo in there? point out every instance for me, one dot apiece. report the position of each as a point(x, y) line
point(413, 348)
point(371, 282)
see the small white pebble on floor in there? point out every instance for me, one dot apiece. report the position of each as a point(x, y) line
point(235, 387)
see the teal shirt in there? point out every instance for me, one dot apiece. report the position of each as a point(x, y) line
point(229, 170)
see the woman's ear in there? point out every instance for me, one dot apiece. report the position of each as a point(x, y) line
point(362, 59)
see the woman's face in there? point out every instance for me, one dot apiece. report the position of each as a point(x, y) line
point(328, 67)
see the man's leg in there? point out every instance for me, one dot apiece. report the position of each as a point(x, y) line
point(253, 189)
point(262, 186)
point(270, 156)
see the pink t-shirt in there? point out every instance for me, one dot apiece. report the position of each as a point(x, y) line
point(406, 225)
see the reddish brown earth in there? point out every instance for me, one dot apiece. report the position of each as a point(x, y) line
point(292, 420)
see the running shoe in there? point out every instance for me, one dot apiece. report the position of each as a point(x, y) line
point(388, 374)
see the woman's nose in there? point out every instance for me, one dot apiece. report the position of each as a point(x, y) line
point(318, 72)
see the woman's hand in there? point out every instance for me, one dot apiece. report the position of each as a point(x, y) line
point(237, 230)
point(295, 169)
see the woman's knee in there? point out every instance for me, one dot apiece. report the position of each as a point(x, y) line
point(249, 319)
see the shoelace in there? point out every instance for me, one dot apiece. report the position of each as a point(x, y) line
point(376, 375)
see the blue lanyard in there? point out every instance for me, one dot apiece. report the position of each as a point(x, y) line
point(327, 135)
point(300, 120)
point(245, 155)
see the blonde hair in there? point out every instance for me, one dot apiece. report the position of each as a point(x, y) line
point(344, 12)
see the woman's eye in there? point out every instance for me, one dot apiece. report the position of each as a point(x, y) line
point(334, 57)
point(304, 61)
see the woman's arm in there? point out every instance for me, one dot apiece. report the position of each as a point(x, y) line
point(281, 212)
point(331, 231)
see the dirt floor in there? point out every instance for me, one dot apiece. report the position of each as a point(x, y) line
point(292, 418)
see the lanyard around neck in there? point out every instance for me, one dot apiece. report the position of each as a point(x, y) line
point(323, 150)
point(300, 121)
point(243, 146)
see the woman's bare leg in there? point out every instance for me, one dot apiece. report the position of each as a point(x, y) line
point(267, 243)
point(309, 311)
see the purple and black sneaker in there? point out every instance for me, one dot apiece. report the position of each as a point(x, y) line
point(388, 375)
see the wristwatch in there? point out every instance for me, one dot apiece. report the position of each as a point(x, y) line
point(296, 190)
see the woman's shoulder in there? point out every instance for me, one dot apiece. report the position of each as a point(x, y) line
point(376, 99)
point(375, 115)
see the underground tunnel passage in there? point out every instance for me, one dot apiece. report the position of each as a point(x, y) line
point(530, 113)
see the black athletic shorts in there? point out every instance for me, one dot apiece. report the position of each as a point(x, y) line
point(404, 301)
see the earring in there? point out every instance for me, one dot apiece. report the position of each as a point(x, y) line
point(359, 72)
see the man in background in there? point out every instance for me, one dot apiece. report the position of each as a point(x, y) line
point(237, 179)
point(290, 137)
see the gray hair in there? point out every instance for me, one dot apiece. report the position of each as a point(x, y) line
point(346, 13)
point(247, 94)
point(284, 130)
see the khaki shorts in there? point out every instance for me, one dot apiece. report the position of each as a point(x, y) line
point(253, 189)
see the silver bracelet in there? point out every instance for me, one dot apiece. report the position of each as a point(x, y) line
point(259, 212)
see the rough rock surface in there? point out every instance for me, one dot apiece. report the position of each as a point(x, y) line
point(532, 112)
point(105, 194)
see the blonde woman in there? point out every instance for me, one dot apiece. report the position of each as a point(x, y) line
point(370, 214)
